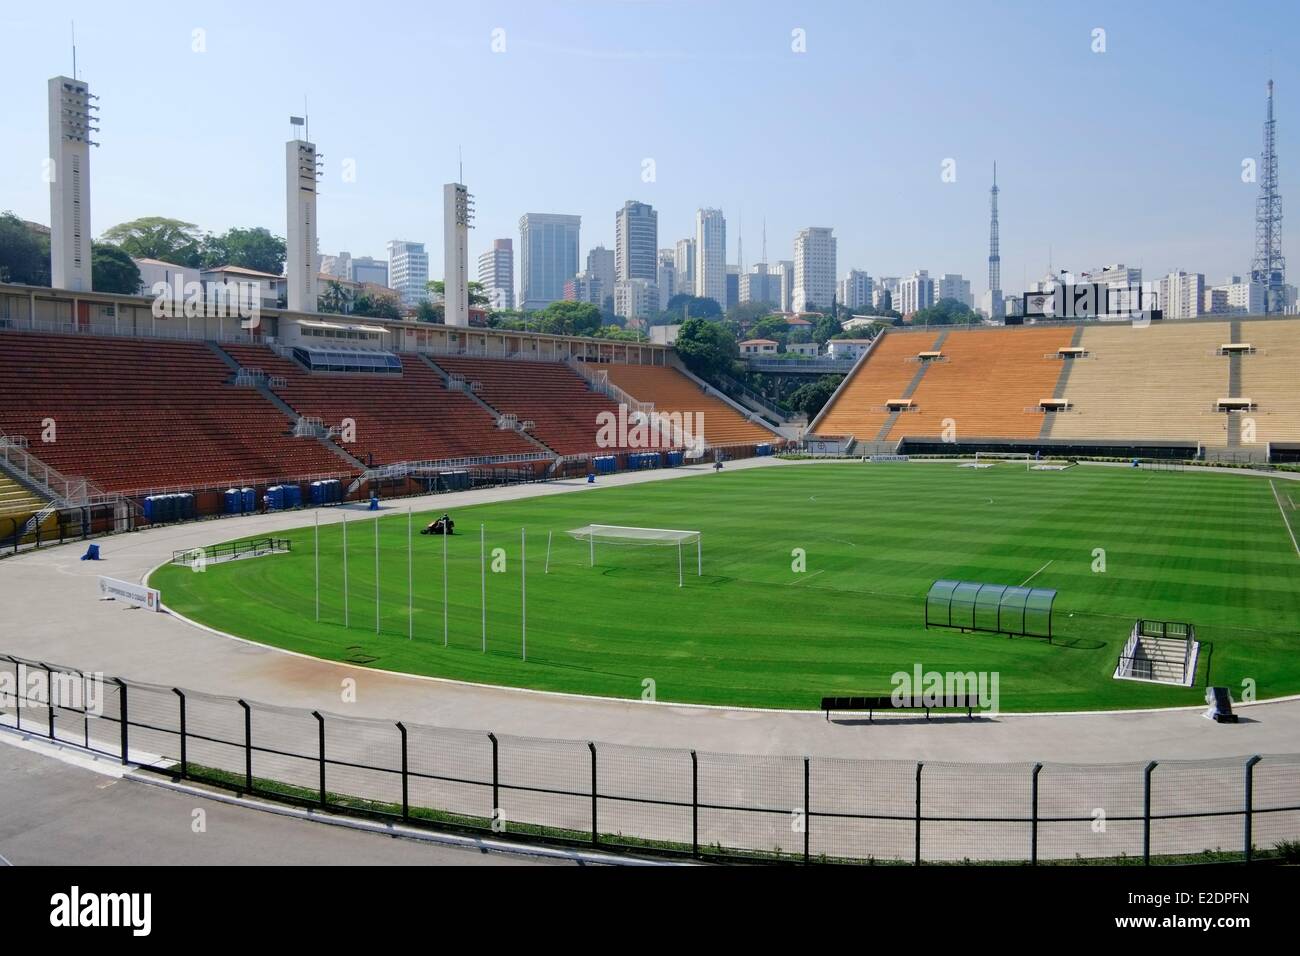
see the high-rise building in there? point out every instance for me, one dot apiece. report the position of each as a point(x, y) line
point(733, 286)
point(762, 283)
point(1182, 295)
point(367, 269)
point(814, 269)
point(953, 286)
point(685, 263)
point(636, 242)
point(496, 274)
point(302, 264)
point(711, 256)
point(667, 276)
point(71, 126)
point(548, 257)
point(1241, 296)
point(457, 217)
point(914, 293)
point(855, 290)
point(585, 287)
point(338, 266)
point(635, 299)
point(784, 269)
point(408, 271)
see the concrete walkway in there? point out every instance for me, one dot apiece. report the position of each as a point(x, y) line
point(52, 612)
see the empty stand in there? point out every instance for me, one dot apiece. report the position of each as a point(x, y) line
point(1270, 376)
point(411, 417)
point(132, 415)
point(1157, 382)
point(986, 382)
point(859, 407)
point(17, 504)
point(550, 394)
point(671, 391)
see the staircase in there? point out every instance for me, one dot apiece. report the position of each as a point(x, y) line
point(23, 511)
point(1161, 651)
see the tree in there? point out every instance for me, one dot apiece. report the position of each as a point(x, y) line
point(477, 294)
point(693, 306)
point(826, 327)
point(430, 312)
point(707, 348)
point(157, 237)
point(253, 248)
point(747, 312)
point(113, 270)
point(24, 253)
point(335, 298)
point(377, 306)
point(811, 397)
point(946, 312)
point(570, 318)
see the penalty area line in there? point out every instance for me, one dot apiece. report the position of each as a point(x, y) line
point(1285, 520)
point(1036, 573)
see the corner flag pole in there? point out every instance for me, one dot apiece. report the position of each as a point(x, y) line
point(482, 573)
point(699, 555)
point(410, 591)
point(346, 617)
point(444, 589)
point(523, 593)
point(316, 559)
point(679, 562)
point(376, 574)
point(547, 569)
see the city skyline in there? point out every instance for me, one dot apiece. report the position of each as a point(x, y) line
point(1173, 202)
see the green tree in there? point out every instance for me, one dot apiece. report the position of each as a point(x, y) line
point(477, 295)
point(24, 253)
point(825, 328)
point(253, 248)
point(377, 306)
point(335, 299)
point(693, 306)
point(157, 237)
point(570, 318)
point(811, 397)
point(946, 312)
point(707, 348)
point(430, 312)
point(113, 270)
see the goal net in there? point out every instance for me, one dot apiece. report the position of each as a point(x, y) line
point(600, 537)
point(987, 459)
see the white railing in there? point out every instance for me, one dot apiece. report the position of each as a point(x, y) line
point(249, 377)
point(175, 335)
point(598, 378)
point(67, 492)
point(309, 426)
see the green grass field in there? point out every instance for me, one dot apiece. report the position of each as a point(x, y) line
point(1205, 548)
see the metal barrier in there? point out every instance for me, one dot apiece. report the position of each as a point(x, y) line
point(672, 801)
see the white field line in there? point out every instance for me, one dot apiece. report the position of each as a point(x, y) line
point(800, 580)
point(1036, 573)
point(1285, 520)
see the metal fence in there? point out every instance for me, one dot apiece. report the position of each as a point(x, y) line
point(675, 801)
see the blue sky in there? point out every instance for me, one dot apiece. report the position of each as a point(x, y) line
point(1130, 155)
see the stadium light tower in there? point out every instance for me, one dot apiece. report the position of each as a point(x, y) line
point(302, 170)
point(1268, 267)
point(71, 126)
point(457, 219)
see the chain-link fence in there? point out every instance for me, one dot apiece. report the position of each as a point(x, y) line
point(706, 805)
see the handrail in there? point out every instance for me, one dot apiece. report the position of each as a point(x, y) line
point(598, 378)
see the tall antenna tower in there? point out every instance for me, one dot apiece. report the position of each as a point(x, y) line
point(996, 310)
point(1268, 267)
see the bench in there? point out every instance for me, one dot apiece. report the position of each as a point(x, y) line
point(872, 704)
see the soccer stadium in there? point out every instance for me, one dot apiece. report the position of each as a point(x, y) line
point(1020, 588)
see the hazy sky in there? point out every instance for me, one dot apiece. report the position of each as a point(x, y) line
point(1130, 155)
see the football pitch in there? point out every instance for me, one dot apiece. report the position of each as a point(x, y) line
point(1117, 545)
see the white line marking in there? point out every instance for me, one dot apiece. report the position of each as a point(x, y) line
point(1035, 574)
point(797, 580)
point(1286, 521)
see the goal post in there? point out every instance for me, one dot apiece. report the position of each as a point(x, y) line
point(611, 534)
point(987, 459)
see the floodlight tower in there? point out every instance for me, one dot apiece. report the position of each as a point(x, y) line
point(1268, 267)
point(457, 220)
point(302, 171)
point(71, 125)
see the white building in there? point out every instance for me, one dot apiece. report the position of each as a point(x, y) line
point(496, 274)
point(585, 287)
point(601, 266)
point(635, 299)
point(1237, 296)
point(914, 293)
point(408, 271)
point(847, 348)
point(548, 257)
point(636, 242)
point(685, 263)
point(1182, 295)
point(953, 286)
point(711, 256)
point(155, 270)
point(762, 283)
point(457, 216)
point(302, 265)
point(758, 347)
point(814, 269)
point(71, 126)
point(666, 279)
point(855, 289)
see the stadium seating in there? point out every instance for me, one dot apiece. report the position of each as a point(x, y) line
point(550, 394)
point(985, 383)
point(411, 417)
point(858, 408)
point(132, 415)
point(1157, 382)
point(671, 391)
point(1270, 377)
point(17, 504)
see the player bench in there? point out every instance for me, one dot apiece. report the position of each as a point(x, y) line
point(887, 703)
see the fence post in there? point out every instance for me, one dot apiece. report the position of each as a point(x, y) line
point(917, 858)
point(1033, 826)
point(185, 767)
point(320, 723)
point(1250, 804)
point(595, 836)
point(406, 802)
point(248, 745)
point(20, 692)
point(807, 811)
point(1146, 813)
point(695, 805)
point(49, 698)
point(125, 719)
point(496, 777)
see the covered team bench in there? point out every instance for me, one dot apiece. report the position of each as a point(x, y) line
point(967, 702)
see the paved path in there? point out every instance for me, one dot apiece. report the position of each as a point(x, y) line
point(52, 612)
